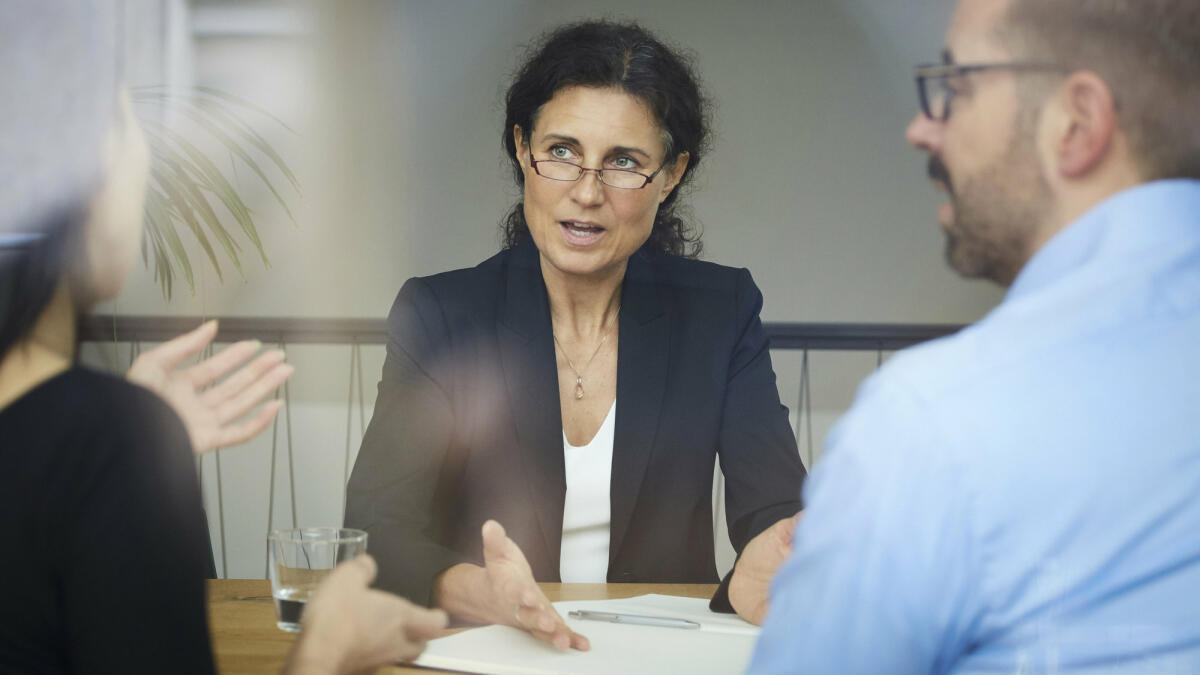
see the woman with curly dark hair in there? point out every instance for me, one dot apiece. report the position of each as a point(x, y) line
point(579, 385)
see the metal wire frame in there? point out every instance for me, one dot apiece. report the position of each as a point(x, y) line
point(358, 332)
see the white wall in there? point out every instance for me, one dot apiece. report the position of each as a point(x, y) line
point(397, 106)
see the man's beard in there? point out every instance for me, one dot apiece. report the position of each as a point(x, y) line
point(997, 211)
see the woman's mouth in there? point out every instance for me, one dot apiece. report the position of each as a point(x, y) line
point(580, 233)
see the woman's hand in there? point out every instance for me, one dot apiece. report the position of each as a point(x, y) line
point(751, 581)
point(350, 628)
point(503, 592)
point(210, 415)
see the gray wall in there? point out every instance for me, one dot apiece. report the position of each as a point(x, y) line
point(397, 108)
point(398, 105)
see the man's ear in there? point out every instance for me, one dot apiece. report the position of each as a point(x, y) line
point(674, 175)
point(1089, 117)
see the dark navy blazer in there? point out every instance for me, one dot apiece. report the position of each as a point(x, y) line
point(467, 424)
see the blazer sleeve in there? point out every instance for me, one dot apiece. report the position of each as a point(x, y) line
point(758, 453)
point(393, 488)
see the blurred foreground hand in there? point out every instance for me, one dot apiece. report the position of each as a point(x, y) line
point(348, 627)
point(211, 414)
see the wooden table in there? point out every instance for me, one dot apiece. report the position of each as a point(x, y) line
point(246, 641)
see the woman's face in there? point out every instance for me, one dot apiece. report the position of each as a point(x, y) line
point(114, 226)
point(586, 228)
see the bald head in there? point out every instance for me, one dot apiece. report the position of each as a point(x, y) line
point(1146, 51)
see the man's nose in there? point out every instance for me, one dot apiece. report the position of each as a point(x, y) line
point(924, 133)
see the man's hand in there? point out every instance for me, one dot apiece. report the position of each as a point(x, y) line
point(349, 628)
point(210, 415)
point(751, 581)
point(503, 592)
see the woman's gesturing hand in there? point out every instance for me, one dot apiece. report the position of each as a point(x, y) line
point(211, 413)
point(513, 586)
point(503, 592)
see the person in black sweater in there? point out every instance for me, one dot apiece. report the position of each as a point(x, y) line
point(107, 553)
point(106, 550)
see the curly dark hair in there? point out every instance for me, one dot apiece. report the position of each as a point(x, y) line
point(627, 57)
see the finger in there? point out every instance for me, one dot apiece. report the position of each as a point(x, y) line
point(168, 354)
point(358, 571)
point(580, 642)
point(556, 638)
point(405, 652)
point(494, 540)
point(533, 598)
point(244, 376)
point(564, 638)
point(240, 433)
point(251, 396)
point(366, 566)
point(536, 619)
point(423, 624)
point(208, 370)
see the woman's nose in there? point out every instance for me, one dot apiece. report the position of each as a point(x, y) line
point(588, 189)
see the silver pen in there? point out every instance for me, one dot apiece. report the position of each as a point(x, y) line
point(636, 619)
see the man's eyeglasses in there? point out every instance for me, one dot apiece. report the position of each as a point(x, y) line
point(624, 179)
point(935, 91)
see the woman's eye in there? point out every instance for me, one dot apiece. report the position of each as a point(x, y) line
point(560, 152)
point(627, 163)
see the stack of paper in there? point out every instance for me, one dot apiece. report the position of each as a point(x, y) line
point(723, 643)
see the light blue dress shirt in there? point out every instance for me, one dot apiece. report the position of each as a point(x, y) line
point(1023, 496)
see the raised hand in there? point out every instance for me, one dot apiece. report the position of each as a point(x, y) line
point(210, 415)
point(751, 581)
point(349, 628)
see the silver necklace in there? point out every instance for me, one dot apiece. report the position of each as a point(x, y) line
point(578, 375)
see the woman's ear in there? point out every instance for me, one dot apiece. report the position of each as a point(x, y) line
point(674, 175)
point(519, 144)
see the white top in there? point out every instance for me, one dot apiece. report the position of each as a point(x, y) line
point(586, 514)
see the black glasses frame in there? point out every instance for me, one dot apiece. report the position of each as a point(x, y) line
point(940, 72)
point(533, 163)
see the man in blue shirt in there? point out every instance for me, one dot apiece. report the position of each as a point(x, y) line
point(1024, 496)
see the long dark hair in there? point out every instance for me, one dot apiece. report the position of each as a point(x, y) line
point(627, 57)
point(30, 272)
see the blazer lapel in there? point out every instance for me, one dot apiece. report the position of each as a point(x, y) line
point(531, 375)
point(643, 358)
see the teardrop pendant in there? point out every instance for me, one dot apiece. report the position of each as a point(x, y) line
point(578, 388)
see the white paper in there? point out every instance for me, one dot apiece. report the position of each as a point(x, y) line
point(723, 643)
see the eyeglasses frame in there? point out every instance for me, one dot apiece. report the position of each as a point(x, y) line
point(599, 172)
point(941, 71)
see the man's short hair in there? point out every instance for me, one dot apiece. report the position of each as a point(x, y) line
point(1147, 51)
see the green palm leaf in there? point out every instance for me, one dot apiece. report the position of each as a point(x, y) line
point(200, 166)
point(185, 181)
point(179, 191)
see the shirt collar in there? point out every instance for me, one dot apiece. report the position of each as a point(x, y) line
point(1119, 226)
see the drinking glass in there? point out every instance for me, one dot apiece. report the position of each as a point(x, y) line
point(299, 559)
